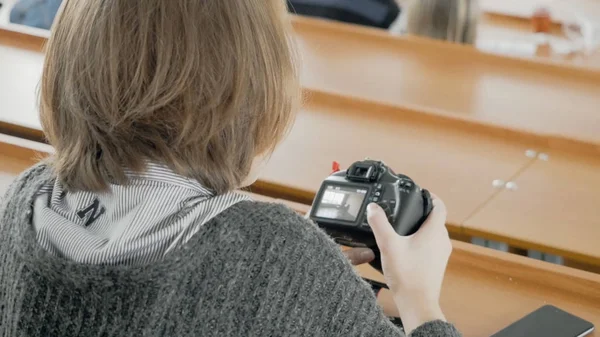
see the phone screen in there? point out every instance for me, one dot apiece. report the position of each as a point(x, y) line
point(548, 321)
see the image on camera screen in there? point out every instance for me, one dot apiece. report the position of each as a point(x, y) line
point(341, 203)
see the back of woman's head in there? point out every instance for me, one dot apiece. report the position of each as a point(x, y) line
point(201, 86)
point(450, 20)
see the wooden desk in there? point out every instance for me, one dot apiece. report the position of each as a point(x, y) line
point(456, 164)
point(484, 290)
point(555, 209)
point(409, 141)
point(423, 76)
point(450, 80)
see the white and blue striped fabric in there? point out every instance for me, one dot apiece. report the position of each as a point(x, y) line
point(137, 223)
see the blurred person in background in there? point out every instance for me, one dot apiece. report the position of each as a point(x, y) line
point(372, 13)
point(447, 20)
point(35, 13)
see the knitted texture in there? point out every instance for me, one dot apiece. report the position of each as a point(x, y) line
point(255, 270)
point(437, 328)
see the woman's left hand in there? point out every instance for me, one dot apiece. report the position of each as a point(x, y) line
point(359, 256)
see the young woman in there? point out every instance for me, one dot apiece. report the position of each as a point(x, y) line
point(448, 20)
point(158, 111)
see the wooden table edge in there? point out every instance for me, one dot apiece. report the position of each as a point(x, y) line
point(22, 132)
point(426, 115)
point(579, 283)
point(456, 122)
point(22, 40)
point(524, 244)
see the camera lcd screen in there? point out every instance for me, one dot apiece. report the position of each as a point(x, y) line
point(341, 203)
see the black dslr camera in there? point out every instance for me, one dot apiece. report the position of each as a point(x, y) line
point(340, 206)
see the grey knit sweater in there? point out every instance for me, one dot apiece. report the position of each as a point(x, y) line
point(255, 270)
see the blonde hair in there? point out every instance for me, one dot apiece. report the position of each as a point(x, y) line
point(201, 86)
point(450, 20)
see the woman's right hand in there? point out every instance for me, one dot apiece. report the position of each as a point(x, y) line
point(414, 266)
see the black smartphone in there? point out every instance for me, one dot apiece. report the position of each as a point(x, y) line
point(548, 321)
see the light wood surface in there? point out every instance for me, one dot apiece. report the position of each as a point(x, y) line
point(457, 163)
point(510, 26)
point(500, 32)
point(555, 209)
point(427, 77)
point(399, 143)
point(451, 80)
point(16, 155)
point(458, 166)
point(484, 290)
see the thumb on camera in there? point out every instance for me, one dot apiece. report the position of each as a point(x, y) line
point(380, 225)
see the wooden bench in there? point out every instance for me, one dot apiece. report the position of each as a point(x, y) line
point(483, 291)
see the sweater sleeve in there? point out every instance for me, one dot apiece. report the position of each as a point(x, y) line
point(436, 328)
point(323, 290)
point(11, 192)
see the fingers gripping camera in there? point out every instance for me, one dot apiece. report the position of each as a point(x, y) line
point(340, 206)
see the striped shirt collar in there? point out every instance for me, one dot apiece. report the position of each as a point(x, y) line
point(156, 212)
point(162, 174)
